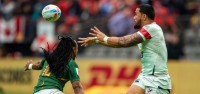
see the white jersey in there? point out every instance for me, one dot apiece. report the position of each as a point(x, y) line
point(153, 49)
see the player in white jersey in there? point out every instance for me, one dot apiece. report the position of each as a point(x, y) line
point(154, 78)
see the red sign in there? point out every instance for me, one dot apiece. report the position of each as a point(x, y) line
point(106, 75)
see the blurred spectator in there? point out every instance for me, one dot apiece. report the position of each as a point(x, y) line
point(45, 37)
point(167, 21)
point(71, 19)
point(91, 6)
point(38, 8)
point(76, 30)
point(63, 29)
point(105, 7)
point(75, 8)
point(121, 23)
point(7, 8)
point(195, 21)
point(21, 25)
point(109, 7)
point(70, 7)
point(66, 26)
point(178, 6)
point(174, 47)
point(132, 4)
point(30, 24)
point(164, 18)
point(64, 6)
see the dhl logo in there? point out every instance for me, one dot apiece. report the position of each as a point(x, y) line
point(107, 75)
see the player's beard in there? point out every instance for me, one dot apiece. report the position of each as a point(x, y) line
point(138, 24)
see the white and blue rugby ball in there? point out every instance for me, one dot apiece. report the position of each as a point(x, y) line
point(51, 13)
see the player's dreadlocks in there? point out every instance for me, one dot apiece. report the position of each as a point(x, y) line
point(59, 58)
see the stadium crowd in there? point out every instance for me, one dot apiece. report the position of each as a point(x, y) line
point(23, 30)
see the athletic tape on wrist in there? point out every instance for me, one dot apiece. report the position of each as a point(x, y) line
point(105, 39)
point(30, 66)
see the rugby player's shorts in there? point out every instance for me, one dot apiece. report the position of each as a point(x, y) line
point(154, 84)
point(49, 91)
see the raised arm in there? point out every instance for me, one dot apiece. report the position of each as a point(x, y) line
point(116, 42)
point(78, 88)
point(35, 66)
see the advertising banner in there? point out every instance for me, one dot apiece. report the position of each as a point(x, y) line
point(110, 76)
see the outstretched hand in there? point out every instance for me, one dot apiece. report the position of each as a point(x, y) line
point(96, 34)
point(87, 41)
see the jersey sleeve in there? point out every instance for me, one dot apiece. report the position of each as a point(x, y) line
point(73, 72)
point(42, 62)
point(144, 33)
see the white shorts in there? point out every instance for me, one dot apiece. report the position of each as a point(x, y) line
point(49, 91)
point(154, 84)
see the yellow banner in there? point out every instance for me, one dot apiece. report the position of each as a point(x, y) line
point(99, 75)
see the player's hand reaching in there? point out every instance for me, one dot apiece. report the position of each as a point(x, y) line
point(97, 33)
point(87, 41)
point(27, 65)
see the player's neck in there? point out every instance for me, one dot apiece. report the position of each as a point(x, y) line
point(147, 22)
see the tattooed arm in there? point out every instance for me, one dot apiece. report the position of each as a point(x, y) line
point(125, 41)
point(78, 88)
point(116, 42)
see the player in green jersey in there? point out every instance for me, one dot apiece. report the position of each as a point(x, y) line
point(58, 67)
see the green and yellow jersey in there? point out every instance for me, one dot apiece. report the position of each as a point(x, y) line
point(48, 80)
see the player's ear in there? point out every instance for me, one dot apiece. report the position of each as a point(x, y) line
point(144, 16)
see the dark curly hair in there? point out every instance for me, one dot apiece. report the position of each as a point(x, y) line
point(60, 57)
